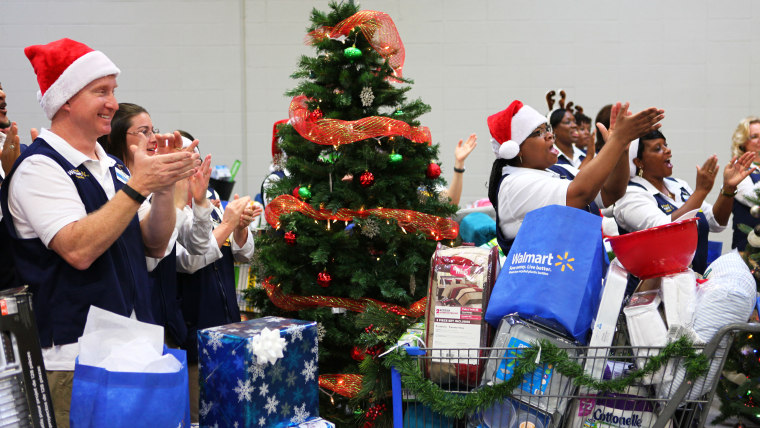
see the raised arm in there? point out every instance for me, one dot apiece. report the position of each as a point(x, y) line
point(589, 181)
point(81, 242)
point(461, 151)
point(733, 174)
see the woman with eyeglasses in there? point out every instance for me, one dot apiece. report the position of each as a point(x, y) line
point(655, 198)
point(195, 244)
point(746, 139)
point(524, 146)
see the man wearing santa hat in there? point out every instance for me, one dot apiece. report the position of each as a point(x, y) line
point(77, 237)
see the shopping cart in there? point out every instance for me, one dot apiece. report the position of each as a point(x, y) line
point(548, 399)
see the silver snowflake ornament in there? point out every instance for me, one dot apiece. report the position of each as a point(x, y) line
point(370, 229)
point(366, 96)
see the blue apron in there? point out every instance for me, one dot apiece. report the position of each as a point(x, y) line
point(116, 281)
point(699, 262)
point(208, 296)
point(742, 216)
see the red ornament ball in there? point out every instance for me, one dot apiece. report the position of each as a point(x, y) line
point(324, 279)
point(367, 179)
point(290, 238)
point(315, 115)
point(433, 171)
point(357, 354)
point(295, 191)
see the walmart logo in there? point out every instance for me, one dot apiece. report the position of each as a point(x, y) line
point(565, 262)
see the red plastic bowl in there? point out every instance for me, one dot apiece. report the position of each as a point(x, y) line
point(657, 251)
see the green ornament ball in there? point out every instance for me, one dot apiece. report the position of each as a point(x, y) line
point(352, 53)
point(398, 113)
point(395, 158)
point(304, 193)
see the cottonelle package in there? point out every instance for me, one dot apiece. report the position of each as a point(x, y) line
point(630, 409)
point(460, 282)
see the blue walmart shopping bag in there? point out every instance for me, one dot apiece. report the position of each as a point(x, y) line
point(553, 273)
point(101, 398)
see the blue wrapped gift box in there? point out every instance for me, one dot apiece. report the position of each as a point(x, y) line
point(237, 391)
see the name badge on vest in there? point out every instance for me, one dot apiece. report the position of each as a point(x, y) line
point(684, 194)
point(121, 175)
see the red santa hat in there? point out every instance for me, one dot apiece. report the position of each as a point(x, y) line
point(275, 140)
point(63, 68)
point(511, 126)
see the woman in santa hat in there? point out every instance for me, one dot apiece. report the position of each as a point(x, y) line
point(520, 182)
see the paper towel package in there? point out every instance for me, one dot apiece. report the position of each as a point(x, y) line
point(678, 299)
point(603, 330)
point(647, 331)
point(544, 389)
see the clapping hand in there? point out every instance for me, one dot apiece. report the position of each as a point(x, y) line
point(737, 170)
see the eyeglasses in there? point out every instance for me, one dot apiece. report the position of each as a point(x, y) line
point(541, 132)
point(146, 132)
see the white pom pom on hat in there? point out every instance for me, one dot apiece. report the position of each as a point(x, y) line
point(511, 126)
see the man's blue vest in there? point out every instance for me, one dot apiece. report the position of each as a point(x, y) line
point(116, 281)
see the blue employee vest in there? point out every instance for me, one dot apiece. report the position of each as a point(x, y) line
point(506, 244)
point(209, 297)
point(116, 281)
point(699, 262)
point(165, 298)
point(8, 276)
point(561, 160)
point(742, 216)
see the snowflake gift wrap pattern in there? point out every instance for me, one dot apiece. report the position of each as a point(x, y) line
point(241, 386)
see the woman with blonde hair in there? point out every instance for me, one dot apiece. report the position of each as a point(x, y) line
point(746, 138)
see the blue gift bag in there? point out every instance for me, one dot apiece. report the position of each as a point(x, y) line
point(553, 273)
point(101, 398)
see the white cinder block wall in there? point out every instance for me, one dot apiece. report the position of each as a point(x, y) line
point(219, 68)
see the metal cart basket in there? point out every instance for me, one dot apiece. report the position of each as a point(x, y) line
point(548, 399)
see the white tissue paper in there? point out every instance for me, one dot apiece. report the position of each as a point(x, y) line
point(121, 344)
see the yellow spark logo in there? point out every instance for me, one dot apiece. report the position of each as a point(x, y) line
point(565, 262)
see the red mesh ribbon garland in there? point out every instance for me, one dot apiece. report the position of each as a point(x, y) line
point(379, 30)
point(434, 227)
point(335, 132)
point(297, 303)
point(347, 385)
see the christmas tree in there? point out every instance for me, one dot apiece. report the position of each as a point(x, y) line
point(356, 219)
point(739, 386)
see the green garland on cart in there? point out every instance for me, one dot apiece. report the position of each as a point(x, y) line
point(460, 405)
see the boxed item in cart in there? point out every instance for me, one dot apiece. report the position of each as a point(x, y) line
point(632, 408)
point(604, 327)
point(24, 393)
point(545, 388)
point(510, 413)
point(461, 279)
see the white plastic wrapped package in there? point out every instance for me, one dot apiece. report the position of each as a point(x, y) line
point(727, 297)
